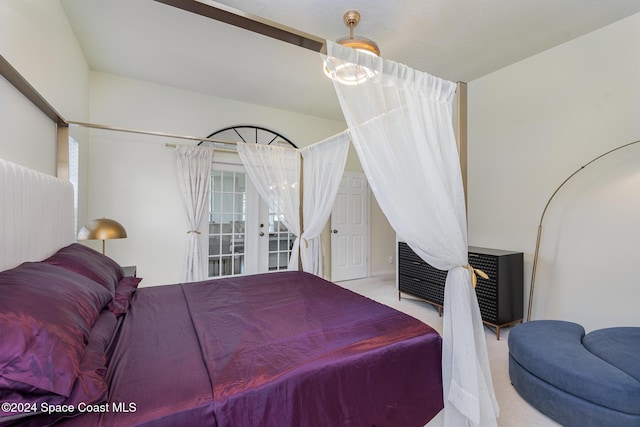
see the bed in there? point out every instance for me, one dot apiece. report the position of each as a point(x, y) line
point(82, 344)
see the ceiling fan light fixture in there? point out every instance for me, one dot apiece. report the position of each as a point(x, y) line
point(351, 18)
point(346, 73)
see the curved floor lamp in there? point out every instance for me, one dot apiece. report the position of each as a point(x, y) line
point(535, 257)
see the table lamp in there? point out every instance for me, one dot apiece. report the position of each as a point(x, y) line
point(102, 229)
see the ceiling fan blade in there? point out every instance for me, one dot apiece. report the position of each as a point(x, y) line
point(253, 23)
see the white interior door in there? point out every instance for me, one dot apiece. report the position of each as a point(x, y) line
point(350, 229)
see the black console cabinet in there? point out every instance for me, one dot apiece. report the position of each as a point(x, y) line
point(500, 297)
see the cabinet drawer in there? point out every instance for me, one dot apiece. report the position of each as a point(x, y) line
point(421, 270)
point(486, 288)
point(412, 265)
point(488, 310)
point(430, 291)
point(405, 253)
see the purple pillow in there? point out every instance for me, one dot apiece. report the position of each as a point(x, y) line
point(124, 292)
point(89, 387)
point(46, 315)
point(90, 263)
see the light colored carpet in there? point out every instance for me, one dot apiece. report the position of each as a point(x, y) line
point(514, 411)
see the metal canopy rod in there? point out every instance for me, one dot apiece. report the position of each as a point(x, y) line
point(15, 78)
point(256, 24)
point(461, 131)
point(300, 211)
point(146, 132)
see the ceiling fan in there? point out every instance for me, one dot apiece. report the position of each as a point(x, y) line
point(345, 73)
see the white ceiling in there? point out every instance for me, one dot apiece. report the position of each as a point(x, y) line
point(458, 40)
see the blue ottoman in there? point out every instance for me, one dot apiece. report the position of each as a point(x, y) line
point(577, 379)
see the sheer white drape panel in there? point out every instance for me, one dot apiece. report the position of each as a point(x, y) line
point(400, 121)
point(194, 170)
point(275, 171)
point(323, 165)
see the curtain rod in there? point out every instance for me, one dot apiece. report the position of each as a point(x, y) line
point(167, 135)
point(145, 132)
point(217, 150)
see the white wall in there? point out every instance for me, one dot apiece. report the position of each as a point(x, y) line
point(36, 39)
point(132, 178)
point(530, 126)
point(27, 136)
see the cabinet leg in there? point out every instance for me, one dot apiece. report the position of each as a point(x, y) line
point(498, 327)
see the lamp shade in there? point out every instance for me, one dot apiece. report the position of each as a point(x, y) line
point(102, 229)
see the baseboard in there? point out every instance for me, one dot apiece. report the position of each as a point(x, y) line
point(383, 273)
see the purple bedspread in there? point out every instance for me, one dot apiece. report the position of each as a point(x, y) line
point(156, 366)
point(278, 349)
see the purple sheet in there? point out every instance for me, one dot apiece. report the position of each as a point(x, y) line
point(278, 349)
point(156, 374)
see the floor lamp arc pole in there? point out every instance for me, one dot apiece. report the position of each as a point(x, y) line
point(535, 256)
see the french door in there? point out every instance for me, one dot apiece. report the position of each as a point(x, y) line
point(245, 237)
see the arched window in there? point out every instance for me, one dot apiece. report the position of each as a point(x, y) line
point(248, 134)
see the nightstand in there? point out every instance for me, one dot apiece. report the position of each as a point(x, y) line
point(130, 271)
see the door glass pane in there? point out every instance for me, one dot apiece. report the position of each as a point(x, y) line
point(216, 178)
point(227, 218)
point(214, 245)
point(240, 180)
point(280, 243)
point(227, 182)
point(227, 203)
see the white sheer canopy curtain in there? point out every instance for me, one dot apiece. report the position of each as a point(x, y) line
point(323, 166)
point(275, 171)
point(400, 122)
point(194, 170)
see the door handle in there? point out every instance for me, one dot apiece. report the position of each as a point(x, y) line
point(261, 234)
point(335, 231)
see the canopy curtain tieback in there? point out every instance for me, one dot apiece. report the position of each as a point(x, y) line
point(194, 231)
point(475, 272)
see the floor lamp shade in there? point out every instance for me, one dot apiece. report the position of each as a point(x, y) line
point(102, 229)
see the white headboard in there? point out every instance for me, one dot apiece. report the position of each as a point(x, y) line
point(36, 215)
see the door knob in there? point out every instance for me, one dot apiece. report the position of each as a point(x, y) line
point(335, 231)
point(261, 234)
